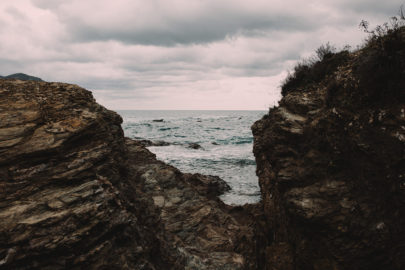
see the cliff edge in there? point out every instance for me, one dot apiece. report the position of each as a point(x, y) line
point(76, 194)
point(330, 161)
point(62, 168)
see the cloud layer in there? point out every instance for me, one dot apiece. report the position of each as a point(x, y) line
point(178, 54)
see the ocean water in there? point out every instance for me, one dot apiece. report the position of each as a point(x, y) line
point(225, 138)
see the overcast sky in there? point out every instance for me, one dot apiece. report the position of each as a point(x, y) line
point(177, 54)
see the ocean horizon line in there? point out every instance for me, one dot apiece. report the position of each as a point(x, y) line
point(212, 110)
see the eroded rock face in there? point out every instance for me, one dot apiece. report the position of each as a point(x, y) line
point(332, 178)
point(62, 160)
point(75, 194)
point(198, 230)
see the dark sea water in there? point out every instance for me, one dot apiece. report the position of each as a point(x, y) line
point(225, 138)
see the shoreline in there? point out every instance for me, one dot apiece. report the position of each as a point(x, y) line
point(207, 142)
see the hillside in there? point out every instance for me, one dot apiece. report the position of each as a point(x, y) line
point(22, 76)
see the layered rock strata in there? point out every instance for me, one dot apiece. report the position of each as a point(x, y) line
point(198, 230)
point(62, 169)
point(75, 194)
point(330, 161)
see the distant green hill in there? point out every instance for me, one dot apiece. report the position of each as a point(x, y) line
point(23, 77)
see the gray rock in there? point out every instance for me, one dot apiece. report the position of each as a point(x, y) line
point(194, 146)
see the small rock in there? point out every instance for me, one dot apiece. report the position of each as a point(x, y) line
point(160, 143)
point(208, 184)
point(194, 146)
point(147, 143)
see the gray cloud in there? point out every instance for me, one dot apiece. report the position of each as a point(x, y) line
point(183, 22)
point(370, 7)
point(159, 54)
point(208, 29)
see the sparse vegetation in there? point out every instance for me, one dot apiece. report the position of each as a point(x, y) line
point(379, 73)
point(394, 24)
point(314, 69)
point(325, 51)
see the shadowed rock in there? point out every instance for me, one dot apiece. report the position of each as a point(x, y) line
point(331, 171)
point(195, 146)
point(153, 143)
point(200, 231)
point(76, 195)
point(207, 184)
point(65, 200)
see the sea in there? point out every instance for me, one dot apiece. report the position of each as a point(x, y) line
point(226, 144)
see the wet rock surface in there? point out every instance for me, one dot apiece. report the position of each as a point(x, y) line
point(75, 194)
point(195, 146)
point(148, 143)
point(153, 143)
point(331, 172)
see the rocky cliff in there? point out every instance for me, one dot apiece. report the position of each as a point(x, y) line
point(330, 161)
point(75, 194)
point(61, 172)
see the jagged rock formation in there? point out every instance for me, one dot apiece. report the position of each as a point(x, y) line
point(198, 230)
point(61, 171)
point(330, 161)
point(75, 194)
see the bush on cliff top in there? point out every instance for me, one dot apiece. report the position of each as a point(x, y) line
point(380, 68)
point(314, 69)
